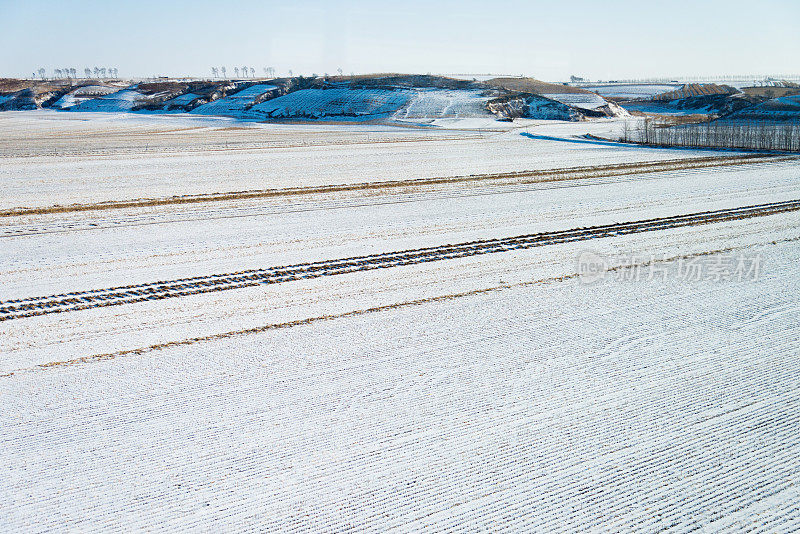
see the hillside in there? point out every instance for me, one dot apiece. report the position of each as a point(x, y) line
point(387, 97)
point(785, 108)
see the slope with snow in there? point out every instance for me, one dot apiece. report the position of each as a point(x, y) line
point(335, 102)
point(117, 102)
point(234, 105)
point(785, 108)
point(181, 100)
point(589, 101)
point(83, 94)
point(443, 103)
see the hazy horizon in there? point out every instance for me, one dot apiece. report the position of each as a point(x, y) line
point(615, 40)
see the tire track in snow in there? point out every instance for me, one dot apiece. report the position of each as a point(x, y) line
point(81, 300)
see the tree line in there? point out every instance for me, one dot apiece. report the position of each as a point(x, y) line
point(71, 73)
point(744, 135)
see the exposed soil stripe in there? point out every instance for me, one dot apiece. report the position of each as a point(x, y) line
point(81, 300)
point(570, 173)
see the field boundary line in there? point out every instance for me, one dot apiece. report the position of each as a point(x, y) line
point(364, 311)
point(517, 177)
point(163, 289)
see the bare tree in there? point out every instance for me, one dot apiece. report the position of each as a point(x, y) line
point(42, 72)
point(87, 72)
point(102, 72)
point(223, 71)
point(236, 70)
point(97, 72)
point(74, 72)
point(57, 73)
point(290, 73)
point(731, 134)
point(214, 72)
point(339, 70)
point(252, 72)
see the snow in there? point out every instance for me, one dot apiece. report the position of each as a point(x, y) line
point(66, 101)
point(793, 100)
point(335, 102)
point(490, 392)
point(540, 108)
point(619, 400)
point(400, 103)
point(579, 100)
point(631, 91)
point(442, 103)
point(786, 108)
point(665, 108)
point(82, 94)
point(234, 105)
point(120, 101)
point(165, 160)
point(182, 100)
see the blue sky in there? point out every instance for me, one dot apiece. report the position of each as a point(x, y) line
point(548, 40)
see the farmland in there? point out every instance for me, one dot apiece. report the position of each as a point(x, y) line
point(215, 324)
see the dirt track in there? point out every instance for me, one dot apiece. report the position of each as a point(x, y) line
point(80, 300)
point(520, 177)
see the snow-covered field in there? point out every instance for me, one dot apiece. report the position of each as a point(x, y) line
point(631, 91)
point(160, 156)
point(490, 392)
point(666, 108)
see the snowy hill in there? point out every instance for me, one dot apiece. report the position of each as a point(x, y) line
point(785, 108)
point(82, 94)
point(236, 104)
point(117, 102)
point(391, 97)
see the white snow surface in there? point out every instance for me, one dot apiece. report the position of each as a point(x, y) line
point(493, 392)
point(187, 154)
point(83, 94)
point(182, 99)
point(234, 105)
point(335, 102)
point(120, 101)
point(631, 91)
point(443, 103)
point(579, 100)
point(400, 103)
point(620, 406)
